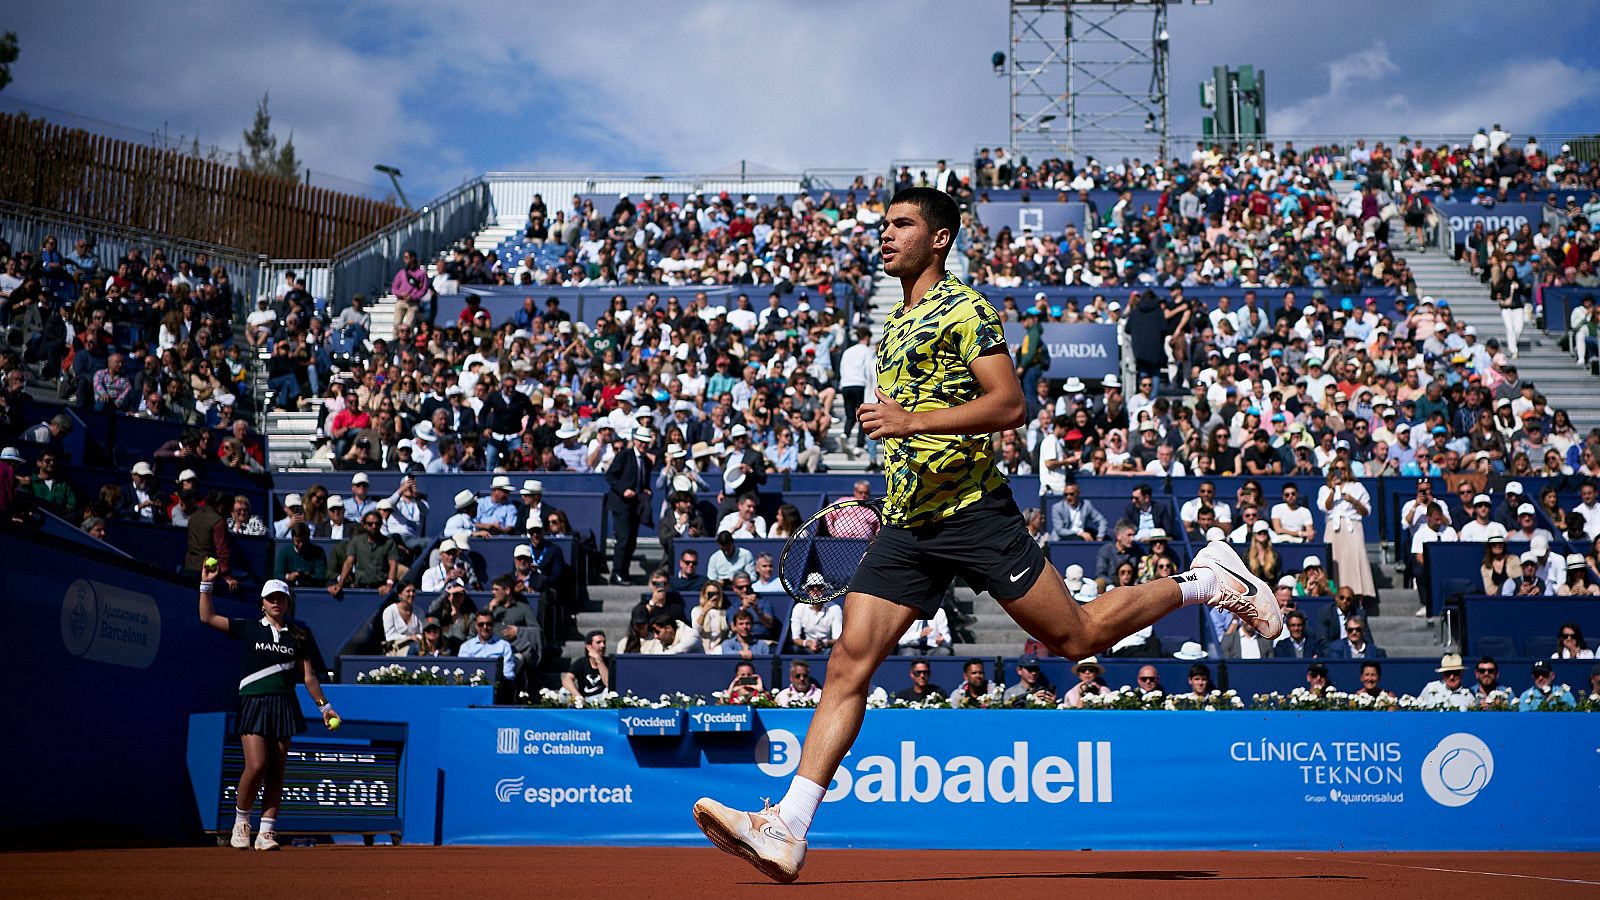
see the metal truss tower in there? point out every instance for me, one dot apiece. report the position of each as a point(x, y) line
point(1089, 77)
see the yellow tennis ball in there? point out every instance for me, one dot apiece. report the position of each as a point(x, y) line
point(211, 562)
point(334, 723)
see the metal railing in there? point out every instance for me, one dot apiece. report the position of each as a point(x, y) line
point(1108, 147)
point(367, 266)
point(25, 227)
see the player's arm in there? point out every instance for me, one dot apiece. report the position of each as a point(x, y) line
point(314, 688)
point(1000, 407)
point(208, 612)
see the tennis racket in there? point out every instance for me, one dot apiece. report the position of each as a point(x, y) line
point(823, 554)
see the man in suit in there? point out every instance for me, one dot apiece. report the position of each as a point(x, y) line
point(1145, 515)
point(1245, 642)
point(1356, 643)
point(628, 480)
point(1076, 519)
point(1296, 643)
point(1332, 619)
point(459, 417)
point(744, 473)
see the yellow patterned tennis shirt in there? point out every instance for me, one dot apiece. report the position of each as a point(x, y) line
point(924, 362)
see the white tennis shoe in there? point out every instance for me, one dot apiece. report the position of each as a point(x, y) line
point(759, 838)
point(267, 840)
point(241, 836)
point(1239, 591)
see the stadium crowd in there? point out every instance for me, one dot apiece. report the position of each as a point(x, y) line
point(676, 400)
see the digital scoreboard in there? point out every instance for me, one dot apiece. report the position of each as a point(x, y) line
point(352, 782)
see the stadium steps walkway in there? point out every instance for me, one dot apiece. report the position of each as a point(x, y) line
point(1540, 358)
point(293, 436)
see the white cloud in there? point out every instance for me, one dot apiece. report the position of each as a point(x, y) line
point(1361, 97)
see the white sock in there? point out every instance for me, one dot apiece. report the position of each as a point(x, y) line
point(240, 817)
point(1198, 585)
point(799, 805)
point(269, 824)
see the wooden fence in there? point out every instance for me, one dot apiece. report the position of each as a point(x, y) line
point(164, 191)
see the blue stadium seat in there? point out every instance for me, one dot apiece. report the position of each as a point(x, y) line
point(1541, 646)
point(1497, 646)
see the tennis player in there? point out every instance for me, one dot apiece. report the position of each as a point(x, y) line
point(274, 654)
point(945, 383)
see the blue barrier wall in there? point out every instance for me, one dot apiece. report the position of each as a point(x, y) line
point(1032, 780)
point(1558, 303)
point(112, 661)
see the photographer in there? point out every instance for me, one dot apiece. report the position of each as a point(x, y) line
point(746, 684)
point(1089, 683)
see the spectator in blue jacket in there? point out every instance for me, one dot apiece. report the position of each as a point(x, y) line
point(1356, 643)
point(1297, 642)
point(1545, 691)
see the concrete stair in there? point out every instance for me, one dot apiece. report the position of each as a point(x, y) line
point(295, 439)
point(1540, 358)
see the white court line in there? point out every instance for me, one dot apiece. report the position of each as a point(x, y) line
point(1453, 871)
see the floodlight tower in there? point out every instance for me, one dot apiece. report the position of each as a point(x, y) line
point(1089, 77)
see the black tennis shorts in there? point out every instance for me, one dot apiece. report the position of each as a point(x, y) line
point(987, 544)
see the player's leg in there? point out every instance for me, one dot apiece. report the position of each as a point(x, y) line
point(255, 767)
point(1073, 630)
point(272, 792)
point(773, 840)
point(872, 628)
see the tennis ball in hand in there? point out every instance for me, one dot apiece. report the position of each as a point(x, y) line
point(334, 723)
point(211, 562)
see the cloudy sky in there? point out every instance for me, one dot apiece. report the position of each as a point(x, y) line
point(445, 90)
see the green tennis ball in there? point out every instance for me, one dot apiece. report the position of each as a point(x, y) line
point(211, 562)
point(334, 723)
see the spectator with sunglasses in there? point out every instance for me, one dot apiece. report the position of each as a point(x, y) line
point(1570, 643)
point(1487, 672)
point(1356, 643)
point(372, 560)
point(922, 689)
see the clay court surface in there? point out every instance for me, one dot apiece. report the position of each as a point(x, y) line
point(351, 872)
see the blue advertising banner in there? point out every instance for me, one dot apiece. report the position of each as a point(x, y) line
point(1462, 216)
point(1081, 351)
point(1044, 780)
point(1041, 218)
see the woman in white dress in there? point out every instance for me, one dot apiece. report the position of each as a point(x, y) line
point(1346, 503)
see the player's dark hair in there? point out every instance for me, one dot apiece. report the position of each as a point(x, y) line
point(938, 209)
point(589, 638)
point(661, 619)
point(1200, 669)
point(1374, 665)
point(971, 661)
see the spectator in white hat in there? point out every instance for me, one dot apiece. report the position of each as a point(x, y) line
point(360, 502)
point(568, 449)
point(1479, 527)
point(466, 506)
point(337, 526)
point(142, 500)
point(534, 510)
point(1528, 584)
point(496, 513)
point(294, 513)
point(1575, 582)
point(1447, 691)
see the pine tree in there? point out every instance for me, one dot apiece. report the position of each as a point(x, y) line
point(8, 55)
point(261, 154)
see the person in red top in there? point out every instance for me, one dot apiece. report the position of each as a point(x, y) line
point(465, 317)
point(347, 424)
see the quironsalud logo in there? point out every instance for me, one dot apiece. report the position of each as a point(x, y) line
point(1454, 772)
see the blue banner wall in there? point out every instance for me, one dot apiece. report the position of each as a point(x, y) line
point(1462, 216)
point(1082, 351)
point(1040, 780)
point(1042, 218)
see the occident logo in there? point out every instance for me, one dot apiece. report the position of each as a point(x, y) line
point(507, 788)
point(910, 777)
point(720, 718)
point(1457, 770)
point(637, 721)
